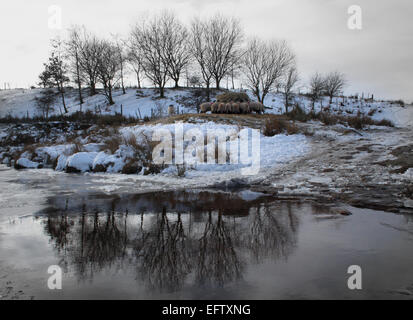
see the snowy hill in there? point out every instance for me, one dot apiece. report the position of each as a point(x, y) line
point(143, 103)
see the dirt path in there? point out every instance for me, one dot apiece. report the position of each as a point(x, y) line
point(368, 171)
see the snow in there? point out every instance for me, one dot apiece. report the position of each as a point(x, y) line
point(144, 102)
point(26, 163)
point(245, 151)
point(21, 102)
point(61, 163)
point(113, 163)
point(55, 151)
point(409, 174)
point(82, 161)
point(273, 151)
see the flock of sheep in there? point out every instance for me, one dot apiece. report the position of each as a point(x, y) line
point(232, 107)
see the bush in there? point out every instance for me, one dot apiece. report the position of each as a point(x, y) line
point(400, 102)
point(276, 126)
point(233, 97)
point(327, 118)
point(112, 144)
point(79, 116)
point(298, 114)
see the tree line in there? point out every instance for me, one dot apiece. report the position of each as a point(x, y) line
point(161, 48)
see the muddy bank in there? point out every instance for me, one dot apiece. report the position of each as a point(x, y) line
point(374, 171)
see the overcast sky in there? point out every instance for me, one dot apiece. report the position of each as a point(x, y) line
point(377, 59)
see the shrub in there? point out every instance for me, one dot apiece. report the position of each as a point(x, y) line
point(298, 114)
point(292, 128)
point(112, 144)
point(328, 119)
point(273, 127)
point(372, 112)
point(276, 126)
point(400, 102)
point(131, 167)
point(385, 122)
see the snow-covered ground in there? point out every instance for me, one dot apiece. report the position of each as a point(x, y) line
point(144, 102)
point(240, 148)
point(88, 152)
point(136, 103)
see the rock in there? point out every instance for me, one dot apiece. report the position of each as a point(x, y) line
point(24, 163)
point(341, 211)
point(235, 183)
point(408, 203)
point(131, 168)
point(80, 162)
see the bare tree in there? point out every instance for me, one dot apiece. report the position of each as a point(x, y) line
point(334, 84)
point(200, 51)
point(150, 39)
point(74, 45)
point(122, 56)
point(265, 64)
point(176, 52)
point(291, 79)
point(135, 61)
point(45, 102)
point(223, 39)
point(109, 67)
point(89, 52)
point(317, 87)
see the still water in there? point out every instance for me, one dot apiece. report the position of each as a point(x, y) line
point(204, 245)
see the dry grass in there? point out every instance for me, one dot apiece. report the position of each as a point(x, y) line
point(112, 144)
point(273, 127)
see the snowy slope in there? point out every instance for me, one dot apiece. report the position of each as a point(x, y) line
point(20, 102)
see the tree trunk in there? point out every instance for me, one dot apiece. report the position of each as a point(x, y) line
point(92, 88)
point(286, 104)
point(139, 79)
point(264, 94)
point(207, 90)
point(162, 92)
point(177, 83)
point(121, 80)
point(111, 102)
point(62, 93)
point(217, 81)
point(78, 80)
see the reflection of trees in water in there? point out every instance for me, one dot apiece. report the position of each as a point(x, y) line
point(217, 260)
point(271, 232)
point(91, 243)
point(103, 241)
point(163, 253)
point(168, 249)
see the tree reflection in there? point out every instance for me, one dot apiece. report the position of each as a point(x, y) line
point(271, 233)
point(89, 243)
point(163, 253)
point(204, 245)
point(217, 262)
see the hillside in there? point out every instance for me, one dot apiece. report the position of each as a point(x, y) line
point(145, 102)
